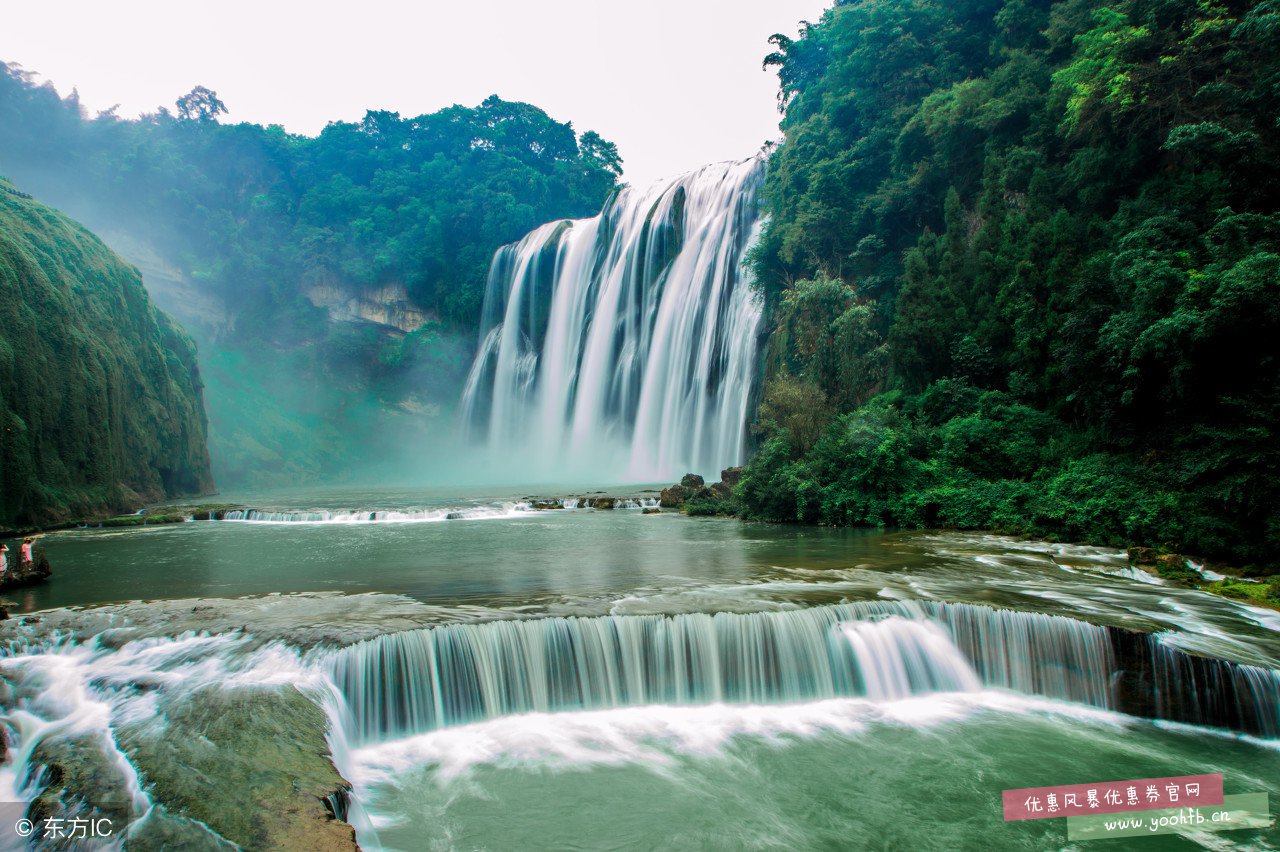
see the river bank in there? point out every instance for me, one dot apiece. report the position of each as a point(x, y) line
point(1261, 587)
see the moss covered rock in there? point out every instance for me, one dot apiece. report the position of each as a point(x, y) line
point(251, 764)
point(100, 396)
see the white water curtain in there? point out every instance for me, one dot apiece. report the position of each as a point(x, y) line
point(623, 347)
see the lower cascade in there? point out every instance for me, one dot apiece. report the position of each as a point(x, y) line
point(421, 680)
point(104, 699)
point(629, 339)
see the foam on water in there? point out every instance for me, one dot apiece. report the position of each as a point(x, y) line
point(363, 516)
point(657, 734)
point(88, 691)
point(436, 514)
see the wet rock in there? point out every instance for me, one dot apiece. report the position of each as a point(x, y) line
point(1173, 567)
point(693, 491)
point(1155, 681)
point(1143, 555)
point(603, 502)
point(253, 765)
point(338, 803)
point(78, 770)
point(672, 497)
point(651, 511)
point(26, 573)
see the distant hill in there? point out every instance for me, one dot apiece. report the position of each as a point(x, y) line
point(100, 395)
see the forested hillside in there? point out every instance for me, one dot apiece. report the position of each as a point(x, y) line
point(1023, 267)
point(100, 395)
point(333, 282)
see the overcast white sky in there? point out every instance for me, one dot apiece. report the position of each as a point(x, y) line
point(675, 83)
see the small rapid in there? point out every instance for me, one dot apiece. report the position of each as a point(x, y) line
point(505, 510)
point(370, 516)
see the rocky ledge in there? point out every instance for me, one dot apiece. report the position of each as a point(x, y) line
point(22, 573)
point(1250, 585)
point(601, 502)
point(694, 497)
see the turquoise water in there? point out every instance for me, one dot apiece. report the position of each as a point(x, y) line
point(589, 562)
point(916, 762)
point(917, 775)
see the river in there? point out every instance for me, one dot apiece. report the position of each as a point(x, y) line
point(488, 675)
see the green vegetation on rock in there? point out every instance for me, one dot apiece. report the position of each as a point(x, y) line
point(100, 395)
point(334, 283)
point(1023, 272)
point(1254, 586)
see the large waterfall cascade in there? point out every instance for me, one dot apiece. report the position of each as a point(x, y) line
point(624, 345)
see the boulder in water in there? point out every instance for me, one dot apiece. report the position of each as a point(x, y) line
point(672, 497)
point(712, 499)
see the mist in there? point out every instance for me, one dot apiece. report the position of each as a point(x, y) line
point(332, 284)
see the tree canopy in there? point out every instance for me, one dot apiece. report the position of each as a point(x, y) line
point(1062, 223)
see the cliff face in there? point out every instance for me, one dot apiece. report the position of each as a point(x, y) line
point(100, 395)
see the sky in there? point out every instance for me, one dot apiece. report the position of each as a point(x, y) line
point(675, 84)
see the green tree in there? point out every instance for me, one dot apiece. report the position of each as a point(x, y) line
point(200, 104)
point(1058, 226)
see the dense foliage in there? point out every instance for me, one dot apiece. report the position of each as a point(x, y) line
point(258, 219)
point(100, 404)
point(1023, 266)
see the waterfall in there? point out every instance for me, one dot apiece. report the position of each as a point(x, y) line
point(898, 658)
point(325, 516)
point(1205, 691)
point(421, 680)
point(624, 345)
point(1033, 653)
